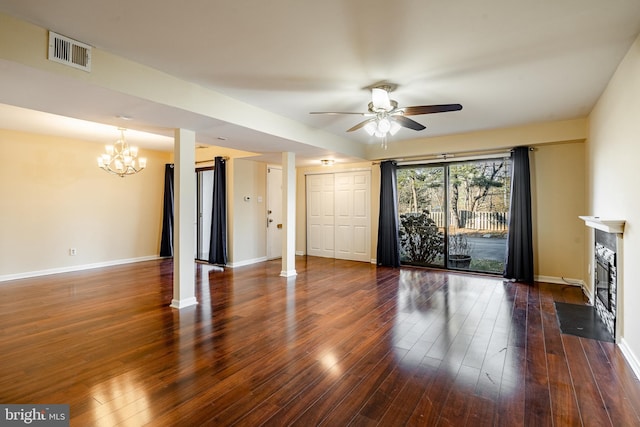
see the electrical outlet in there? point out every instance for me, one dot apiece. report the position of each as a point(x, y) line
point(73, 251)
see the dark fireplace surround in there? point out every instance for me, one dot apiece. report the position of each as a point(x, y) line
point(606, 278)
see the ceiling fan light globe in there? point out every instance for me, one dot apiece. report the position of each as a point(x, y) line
point(380, 99)
point(371, 128)
point(384, 125)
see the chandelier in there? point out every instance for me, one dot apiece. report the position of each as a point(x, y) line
point(121, 159)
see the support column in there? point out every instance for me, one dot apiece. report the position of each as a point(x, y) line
point(289, 214)
point(184, 212)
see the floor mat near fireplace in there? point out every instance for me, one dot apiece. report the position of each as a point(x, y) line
point(582, 321)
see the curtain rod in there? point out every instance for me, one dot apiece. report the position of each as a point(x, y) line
point(452, 157)
point(225, 158)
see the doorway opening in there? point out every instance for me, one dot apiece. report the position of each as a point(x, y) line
point(204, 208)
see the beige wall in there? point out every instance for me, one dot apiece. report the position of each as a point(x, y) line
point(613, 175)
point(53, 197)
point(247, 219)
point(83, 207)
point(558, 186)
point(558, 198)
point(493, 139)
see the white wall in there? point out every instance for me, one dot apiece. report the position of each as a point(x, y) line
point(613, 150)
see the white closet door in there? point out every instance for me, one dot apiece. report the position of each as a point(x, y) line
point(338, 215)
point(320, 215)
point(353, 220)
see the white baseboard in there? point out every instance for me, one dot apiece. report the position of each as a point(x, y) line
point(255, 261)
point(187, 302)
point(566, 281)
point(630, 356)
point(560, 280)
point(71, 268)
point(288, 273)
point(246, 262)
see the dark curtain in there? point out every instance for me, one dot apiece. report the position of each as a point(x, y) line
point(166, 243)
point(218, 244)
point(519, 263)
point(388, 240)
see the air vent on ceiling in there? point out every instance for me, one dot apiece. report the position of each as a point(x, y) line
point(69, 52)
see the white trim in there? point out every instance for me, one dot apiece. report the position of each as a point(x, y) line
point(71, 268)
point(560, 280)
point(187, 302)
point(607, 225)
point(289, 273)
point(247, 262)
point(300, 253)
point(566, 281)
point(630, 356)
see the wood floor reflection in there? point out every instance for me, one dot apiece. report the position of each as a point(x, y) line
point(342, 343)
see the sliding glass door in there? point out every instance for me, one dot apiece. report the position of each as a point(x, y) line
point(421, 207)
point(455, 215)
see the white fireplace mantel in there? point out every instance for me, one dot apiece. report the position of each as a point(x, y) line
point(604, 224)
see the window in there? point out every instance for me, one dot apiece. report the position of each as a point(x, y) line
point(455, 215)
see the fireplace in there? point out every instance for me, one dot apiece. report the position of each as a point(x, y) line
point(606, 263)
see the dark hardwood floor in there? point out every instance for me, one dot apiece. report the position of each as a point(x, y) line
point(342, 343)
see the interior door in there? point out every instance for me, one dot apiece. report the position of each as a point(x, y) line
point(320, 215)
point(352, 204)
point(338, 215)
point(274, 212)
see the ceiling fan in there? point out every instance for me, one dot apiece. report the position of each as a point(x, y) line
point(386, 118)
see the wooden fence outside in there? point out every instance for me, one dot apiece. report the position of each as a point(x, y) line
point(497, 221)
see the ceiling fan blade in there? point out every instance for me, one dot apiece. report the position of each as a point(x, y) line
point(408, 123)
point(339, 112)
point(430, 109)
point(361, 125)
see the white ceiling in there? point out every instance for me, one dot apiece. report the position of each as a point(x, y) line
point(507, 62)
